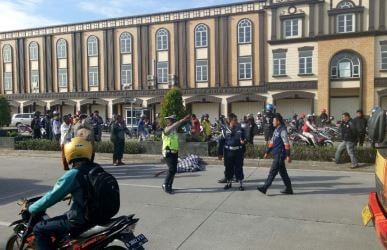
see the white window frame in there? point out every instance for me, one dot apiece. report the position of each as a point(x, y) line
point(162, 72)
point(126, 74)
point(293, 25)
point(8, 81)
point(61, 49)
point(34, 78)
point(346, 19)
point(125, 43)
point(244, 31)
point(162, 37)
point(383, 55)
point(34, 51)
point(201, 70)
point(92, 46)
point(201, 36)
point(62, 78)
point(245, 68)
point(7, 53)
point(93, 78)
point(304, 62)
point(279, 64)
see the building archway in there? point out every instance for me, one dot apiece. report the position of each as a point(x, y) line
point(294, 102)
point(345, 83)
point(244, 104)
point(202, 104)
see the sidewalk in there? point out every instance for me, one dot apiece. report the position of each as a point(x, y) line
point(145, 158)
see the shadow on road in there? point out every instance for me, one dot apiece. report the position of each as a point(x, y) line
point(12, 190)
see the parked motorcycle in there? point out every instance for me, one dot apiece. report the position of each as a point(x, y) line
point(320, 139)
point(99, 237)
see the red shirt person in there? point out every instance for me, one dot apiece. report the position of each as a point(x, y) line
point(195, 129)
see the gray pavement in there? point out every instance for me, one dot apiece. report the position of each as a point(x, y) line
point(323, 214)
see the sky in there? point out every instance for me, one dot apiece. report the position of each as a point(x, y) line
point(23, 14)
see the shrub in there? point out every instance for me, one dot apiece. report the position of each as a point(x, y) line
point(5, 112)
point(100, 147)
point(172, 104)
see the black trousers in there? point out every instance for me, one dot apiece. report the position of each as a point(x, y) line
point(118, 152)
point(37, 134)
point(278, 166)
point(171, 160)
point(233, 161)
point(360, 139)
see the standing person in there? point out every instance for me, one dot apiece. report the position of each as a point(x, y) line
point(360, 123)
point(65, 137)
point(97, 125)
point(231, 147)
point(251, 129)
point(46, 124)
point(268, 128)
point(324, 118)
point(141, 130)
point(36, 126)
point(349, 135)
point(280, 147)
point(84, 128)
point(195, 127)
point(56, 126)
point(171, 149)
point(117, 137)
point(207, 127)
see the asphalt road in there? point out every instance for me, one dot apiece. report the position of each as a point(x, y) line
point(323, 214)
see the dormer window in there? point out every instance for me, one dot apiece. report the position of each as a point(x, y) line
point(291, 28)
point(345, 17)
point(345, 23)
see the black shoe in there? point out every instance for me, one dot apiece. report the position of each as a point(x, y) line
point(262, 189)
point(241, 188)
point(228, 186)
point(222, 180)
point(287, 191)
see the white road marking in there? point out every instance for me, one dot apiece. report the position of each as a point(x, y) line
point(138, 185)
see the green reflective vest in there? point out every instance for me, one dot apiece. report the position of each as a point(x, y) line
point(171, 141)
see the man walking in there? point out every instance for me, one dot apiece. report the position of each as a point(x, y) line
point(268, 128)
point(231, 147)
point(170, 149)
point(280, 147)
point(117, 137)
point(349, 135)
point(360, 123)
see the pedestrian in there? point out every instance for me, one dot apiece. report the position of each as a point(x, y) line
point(117, 137)
point(280, 148)
point(55, 124)
point(141, 128)
point(36, 126)
point(251, 129)
point(97, 122)
point(66, 135)
point(46, 124)
point(360, 123)
point(324, 118)
point(349, 136)
point(195, 127)
point(231, 148)
point(207, 127)
point(268, 128)
point(170, 149)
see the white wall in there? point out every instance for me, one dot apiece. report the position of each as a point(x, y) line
point(212, 109)
point(288, 107)
point(339, 105)
point(243, 108)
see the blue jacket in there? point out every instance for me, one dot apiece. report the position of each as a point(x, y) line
point(279, 143)
point(231, 137)
point(67, 184)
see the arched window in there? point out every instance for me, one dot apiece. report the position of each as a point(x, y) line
point(345, 65)
point(34, 50)
point(126, 42)
point(345, 4)
point(162, 39)
point(244, 31)
point(92, 46)
point(201, 36)
point(7, 53)
point(61, 48)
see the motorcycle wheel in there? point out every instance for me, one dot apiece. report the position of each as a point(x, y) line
point(13, 243)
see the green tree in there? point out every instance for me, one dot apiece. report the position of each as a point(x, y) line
point(5, 112)
point(172, 104)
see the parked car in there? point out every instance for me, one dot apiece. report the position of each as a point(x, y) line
point(24, 119)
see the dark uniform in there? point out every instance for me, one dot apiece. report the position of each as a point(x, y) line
point(232, 150)
point(268, 128)
point(279, 146)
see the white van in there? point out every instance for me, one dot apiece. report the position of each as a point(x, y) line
point(24, 119)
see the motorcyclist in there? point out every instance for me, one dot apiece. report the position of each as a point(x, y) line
point(78, 152)
point(308, 126)
point(268, 128)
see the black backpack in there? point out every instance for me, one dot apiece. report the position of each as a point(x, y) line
point(101, 192)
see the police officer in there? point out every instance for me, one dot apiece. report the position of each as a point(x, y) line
point(280, 147)
point(231, 147)
point(171, 148)
point(268, 128)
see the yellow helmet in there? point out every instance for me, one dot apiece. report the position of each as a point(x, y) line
point(78, 148)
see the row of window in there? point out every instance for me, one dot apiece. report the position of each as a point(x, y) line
point(305, 63)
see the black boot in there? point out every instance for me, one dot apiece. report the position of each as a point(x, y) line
point(287, 191)
point(241, 188)
point(262, 189)
point(228, 186)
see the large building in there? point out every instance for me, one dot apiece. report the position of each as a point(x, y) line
point(301, 55)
